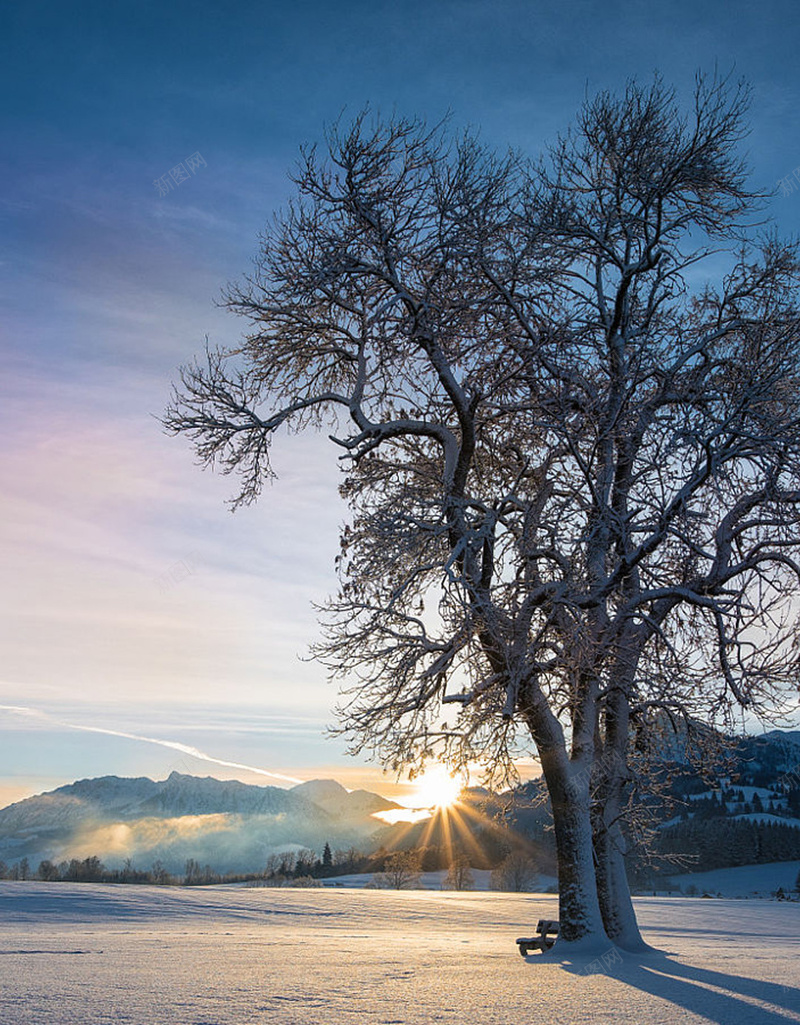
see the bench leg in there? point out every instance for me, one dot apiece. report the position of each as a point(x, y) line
point(542, 944)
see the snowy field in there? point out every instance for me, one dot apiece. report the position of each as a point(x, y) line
point(94, 954)
point(744, 881)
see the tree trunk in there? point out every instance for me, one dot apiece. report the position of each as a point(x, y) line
point(613, 890)
point(579, 909)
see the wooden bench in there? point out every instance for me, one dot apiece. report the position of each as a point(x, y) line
point(546, 932)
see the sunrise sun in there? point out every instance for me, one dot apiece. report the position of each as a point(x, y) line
point(436, 788)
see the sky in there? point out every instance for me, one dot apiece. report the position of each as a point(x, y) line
point(143, 625)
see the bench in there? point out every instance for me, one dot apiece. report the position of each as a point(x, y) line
point(546, 932)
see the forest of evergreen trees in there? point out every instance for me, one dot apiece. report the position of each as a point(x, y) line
point(710, 843)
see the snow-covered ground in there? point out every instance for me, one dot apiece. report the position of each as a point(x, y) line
point(94, 954)
point(436, 881)
point(743, 881)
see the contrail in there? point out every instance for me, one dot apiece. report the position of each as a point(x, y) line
point(173, 744)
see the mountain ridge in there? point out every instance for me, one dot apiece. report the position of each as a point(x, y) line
point(184, 816)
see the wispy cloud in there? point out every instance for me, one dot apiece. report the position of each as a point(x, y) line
point(101, 509)
point(173, 745)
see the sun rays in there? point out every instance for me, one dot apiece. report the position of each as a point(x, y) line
point(433, 790)
point(441, 814)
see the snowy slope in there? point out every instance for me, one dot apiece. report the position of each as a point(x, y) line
point(230, 825)
point(91, 955)
point(742, 881)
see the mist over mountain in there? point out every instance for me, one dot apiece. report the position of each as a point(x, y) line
point(747, 808)
point(233, 826)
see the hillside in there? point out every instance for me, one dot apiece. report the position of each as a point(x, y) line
point(230, 825)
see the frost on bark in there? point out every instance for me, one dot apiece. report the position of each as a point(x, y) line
point(571, 459)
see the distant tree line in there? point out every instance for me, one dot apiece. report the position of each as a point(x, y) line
point(402, 870)
point(290, 867)
point(713, 843)
point(512, 869)
point(92, 870)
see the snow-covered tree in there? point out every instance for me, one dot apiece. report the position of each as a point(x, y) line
point(572, 459)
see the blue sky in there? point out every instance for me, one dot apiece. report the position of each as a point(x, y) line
point(133, 601)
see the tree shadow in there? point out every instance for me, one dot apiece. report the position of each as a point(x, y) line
point(712, 994)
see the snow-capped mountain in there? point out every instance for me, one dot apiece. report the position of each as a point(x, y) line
point(355, 807)
point(232, 825)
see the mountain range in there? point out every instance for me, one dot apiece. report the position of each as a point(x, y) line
point(231, 825)
point(746, 810)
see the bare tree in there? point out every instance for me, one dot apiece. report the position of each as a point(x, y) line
point(459, 874)
point(571, 461)
point(517, 873)
point(401, 871)
point(678, 417)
